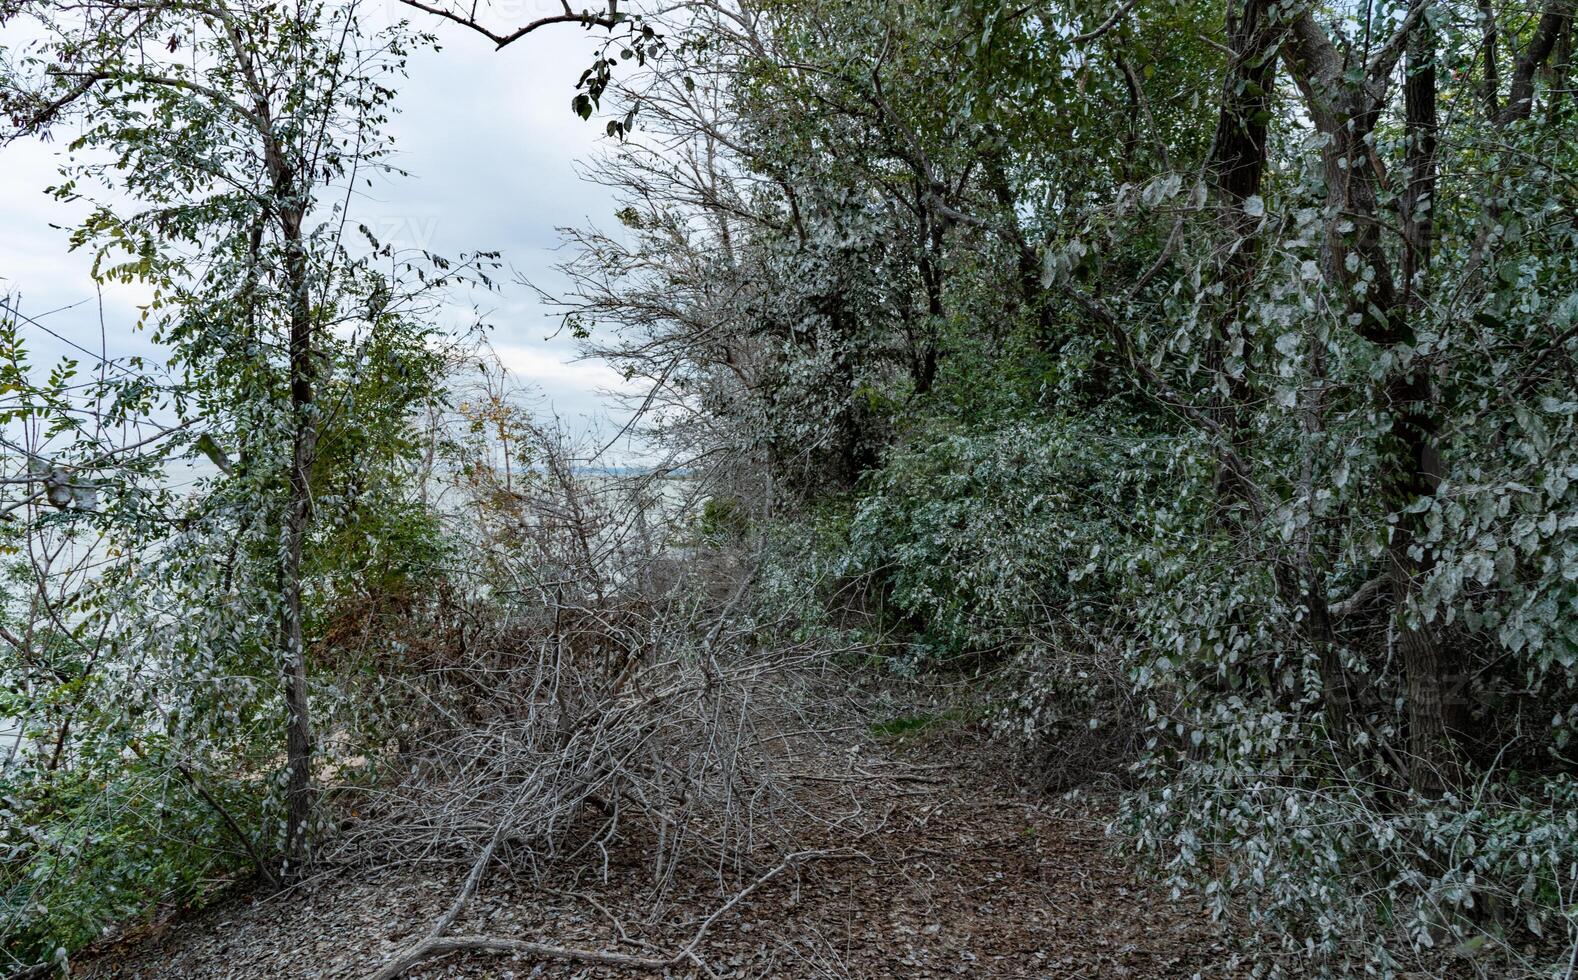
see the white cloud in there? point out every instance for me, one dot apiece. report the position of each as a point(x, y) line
point(491, 145)
point(548, 370)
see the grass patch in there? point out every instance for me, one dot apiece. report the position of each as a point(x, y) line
point(906, 725)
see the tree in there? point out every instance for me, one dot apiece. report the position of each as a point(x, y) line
point(235, 132)
point(1247, 255)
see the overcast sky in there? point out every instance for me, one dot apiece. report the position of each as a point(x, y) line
point(491, 145)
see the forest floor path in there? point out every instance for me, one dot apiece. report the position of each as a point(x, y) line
point(915, 866)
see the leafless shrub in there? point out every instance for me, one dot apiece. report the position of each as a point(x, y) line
point(609, 690)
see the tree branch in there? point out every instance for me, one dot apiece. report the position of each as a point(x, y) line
point(1384, 60)
point(1520, 98)
point(435, 946)
point(1106, 25)
point(608, 20)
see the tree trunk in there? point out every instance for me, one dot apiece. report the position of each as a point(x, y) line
point(1347, 113)
point(1237, 165)
point(298, 513)
point(1032, 294)
point(1431, 676)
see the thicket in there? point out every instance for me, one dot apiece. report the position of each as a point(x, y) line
point(266, 595)
point(1201, 377)
point(1198, 380)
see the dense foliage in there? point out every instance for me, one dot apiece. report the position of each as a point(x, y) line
point(1206, 373)
point(229, 504)
point(1199, 381)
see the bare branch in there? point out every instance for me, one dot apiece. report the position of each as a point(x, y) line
point(500, 40)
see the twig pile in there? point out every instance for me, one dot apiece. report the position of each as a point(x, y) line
point(612, 699)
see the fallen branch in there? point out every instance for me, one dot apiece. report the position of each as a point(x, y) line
point(689, 951)
point(435, 946)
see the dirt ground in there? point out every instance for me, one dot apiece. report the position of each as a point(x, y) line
point(915, 867)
